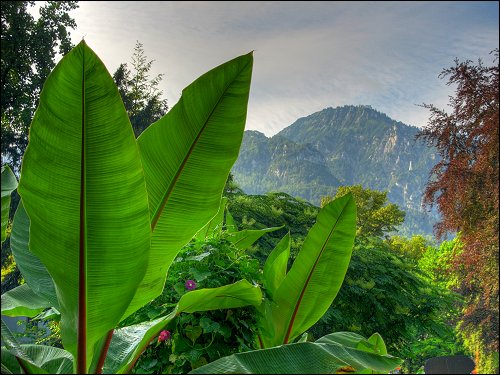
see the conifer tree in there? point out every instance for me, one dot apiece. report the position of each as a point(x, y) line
point(140, 93)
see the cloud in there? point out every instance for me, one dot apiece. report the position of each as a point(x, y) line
point(308, 55)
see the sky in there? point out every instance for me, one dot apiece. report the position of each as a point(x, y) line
point(307, 55)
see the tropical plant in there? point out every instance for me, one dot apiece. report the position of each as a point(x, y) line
point(103, 215)
point(297, 299)
point(202, 337)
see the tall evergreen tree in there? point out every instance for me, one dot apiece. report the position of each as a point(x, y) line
point(140, 94)
point(28, 52)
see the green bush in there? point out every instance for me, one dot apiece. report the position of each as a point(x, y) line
point(388, 293)
point(200, 338)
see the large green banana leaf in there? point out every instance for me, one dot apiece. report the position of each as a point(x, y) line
point(315, 277)
point(128, 343)
point(83, 188)
point(46, 359)
point(303, 358)
point(276, 265)
point(22, 301)
point(32, 359)
point(33, 270)
point(374, 344)
point(187, 156)
point(231, 226)
point(9, 184)
point(243, 239)
point(214, 226)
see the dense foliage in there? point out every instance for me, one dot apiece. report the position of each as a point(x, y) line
point(29, 47)
point(384, 292)
point(377, 217)
point(397, 286)
point(394, 285)
point(200, 338)
point(347, 145)
point(465, 187)
point(84, 227)
point(273, 209)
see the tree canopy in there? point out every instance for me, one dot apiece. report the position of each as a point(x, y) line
point(29, 48)
point(464, 186)
point(376, 216)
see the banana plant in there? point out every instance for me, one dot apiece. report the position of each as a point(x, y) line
point(300, 297)
point(336, 353)
point(297, 299)
point(103, 215)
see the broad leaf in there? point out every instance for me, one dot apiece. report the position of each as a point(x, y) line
point(21, 301)
point(239, 294)
point(214, 226)
point(300, 358)
point(231, 226)
point(187, 156)
point(377, 344)
point(374, 344)
point(16, 350)
point(276, 265)
point(128, 343)
point(46, 360)
point(83, 188)
point(33, 359)
point(9, 184)
point(315, 277)
point(243, 239)
point(34, 272)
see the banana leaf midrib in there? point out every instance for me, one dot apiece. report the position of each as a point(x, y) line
point(161, 206)
point(82, 277)
point(306, 284)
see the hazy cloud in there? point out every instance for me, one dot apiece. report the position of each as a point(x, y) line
point(308, 55)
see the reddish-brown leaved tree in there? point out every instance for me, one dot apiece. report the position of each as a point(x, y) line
point(464, 186)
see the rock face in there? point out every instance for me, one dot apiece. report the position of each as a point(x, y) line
point(347, 145)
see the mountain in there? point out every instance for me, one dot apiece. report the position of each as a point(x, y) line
point(347, 145)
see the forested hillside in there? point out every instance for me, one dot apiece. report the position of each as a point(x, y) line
point(348, 145)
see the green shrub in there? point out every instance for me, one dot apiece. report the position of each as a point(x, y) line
point(200, 338)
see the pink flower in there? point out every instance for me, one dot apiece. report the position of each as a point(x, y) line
point(190, 285)
point(164, 335)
